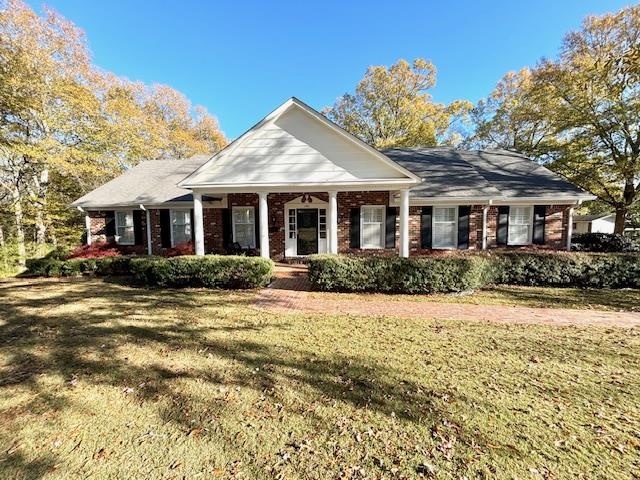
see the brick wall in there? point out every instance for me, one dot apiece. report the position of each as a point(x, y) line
point(555, 228)
point(97, 223)
point(555, 224)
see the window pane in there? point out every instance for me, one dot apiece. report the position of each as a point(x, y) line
point(444, 227)
point(372, 227)
point(244, 226)
point(181, 226)
point(124, 228)
point(520, 225)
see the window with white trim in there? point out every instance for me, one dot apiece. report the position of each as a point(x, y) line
point(520, 225)
point(124, 228)
point(445, 227)
point(322, 222)
point(372, 227)
point(244, 226)
point(180, 226)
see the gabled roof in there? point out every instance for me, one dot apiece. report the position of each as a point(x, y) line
point(151, 182)
point(490, 174)
point(296, 146)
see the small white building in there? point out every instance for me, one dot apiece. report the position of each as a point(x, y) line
point(600, 223)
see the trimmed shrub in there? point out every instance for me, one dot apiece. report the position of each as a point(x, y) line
point(186, 271)
point(603, 242)
point(213, 271)
point(398, 275)
point(184, 248)
point(456, 273)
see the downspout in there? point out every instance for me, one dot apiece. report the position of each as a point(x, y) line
point(148, 222)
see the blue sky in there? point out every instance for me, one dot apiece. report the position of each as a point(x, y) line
point(242, 59)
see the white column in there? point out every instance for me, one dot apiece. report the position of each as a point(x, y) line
point(569, 229)
point(404, 223)
point(87, 226)
point(485, 212)
point(198, 228)
point(263, 212)
point(333, 222)
point(149, 246)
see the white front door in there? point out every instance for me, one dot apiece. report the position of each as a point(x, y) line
point(305, 231)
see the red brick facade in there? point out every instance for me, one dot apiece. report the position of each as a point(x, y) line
point(555, 224)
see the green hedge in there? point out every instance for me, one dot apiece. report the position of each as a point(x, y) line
point(213, 271)
point(397, 275)
point(461, 272)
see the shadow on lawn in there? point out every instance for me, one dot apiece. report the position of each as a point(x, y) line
point(615, 299)
point(62, 340)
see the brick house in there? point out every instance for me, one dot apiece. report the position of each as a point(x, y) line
point(297, 184)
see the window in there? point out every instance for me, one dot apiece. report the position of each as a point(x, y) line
point(180, 226)
point(322, 223)
point(124, 228)
point(244, 227)
point(372, 227)
point(292, 223)
point(520, 225)
point(445, 227)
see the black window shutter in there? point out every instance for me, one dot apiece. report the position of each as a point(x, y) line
point(138, 232)
point(192, 226)
point(256, 224)
point(110, 224)
point(539, 214)
point(425, 227)
point(390, 228)
point(227, 229)
point(463, 226)
point(354, 231)
point(502, 230)
point(165, 228)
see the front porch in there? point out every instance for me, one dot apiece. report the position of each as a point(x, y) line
point(294, 225)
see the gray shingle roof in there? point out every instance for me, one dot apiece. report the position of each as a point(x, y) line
point(448, 172)
point(150, 182)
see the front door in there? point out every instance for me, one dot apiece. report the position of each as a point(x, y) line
point(307, 231)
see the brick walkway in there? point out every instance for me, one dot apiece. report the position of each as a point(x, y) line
point(289, 293)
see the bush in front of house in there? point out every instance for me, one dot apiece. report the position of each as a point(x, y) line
point(459, 272)
point(603, 242)
point(212, 271)
point(398, 275)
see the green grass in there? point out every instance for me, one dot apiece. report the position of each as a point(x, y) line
point(537, 297)
point(102, 380)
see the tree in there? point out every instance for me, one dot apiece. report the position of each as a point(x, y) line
point(579, 112)
point(391, 108)
point(66, 125)
point(513, 118)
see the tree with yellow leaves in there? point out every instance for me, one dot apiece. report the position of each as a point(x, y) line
point(391, 107)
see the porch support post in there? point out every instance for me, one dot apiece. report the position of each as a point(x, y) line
point(198, 227)
point(263, 211)
point(485, 213)
point(569, 228)
point(149, 246)
point(87, 226)
point(333, 222)
point(404, 223)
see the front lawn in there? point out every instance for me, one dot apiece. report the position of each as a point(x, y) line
point(627, 299)
point(103, 380)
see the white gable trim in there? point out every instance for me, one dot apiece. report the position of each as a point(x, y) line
point(411, 178)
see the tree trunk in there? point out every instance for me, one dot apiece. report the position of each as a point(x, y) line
point(5, 264)
point(18, 214)
point(41, 182)
point(621, 217)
